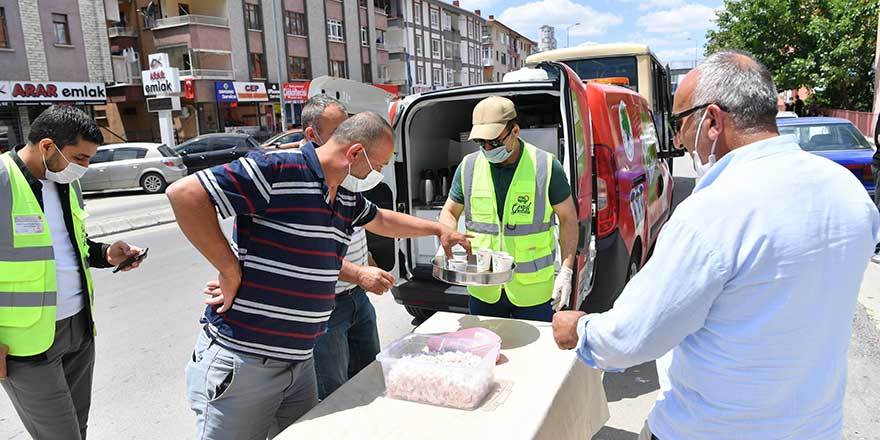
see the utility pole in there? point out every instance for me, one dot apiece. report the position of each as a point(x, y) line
point(282, 59)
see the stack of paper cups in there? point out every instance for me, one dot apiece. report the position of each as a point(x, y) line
point(501, 261)
point(484, 260)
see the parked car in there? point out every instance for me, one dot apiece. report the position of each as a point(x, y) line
point(623, 191)
point(836, 139)
point(150, 166)
point(208, 150)
point(786, 115)
point(286, 137)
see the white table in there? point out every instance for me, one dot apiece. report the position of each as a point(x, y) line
point(542, 393)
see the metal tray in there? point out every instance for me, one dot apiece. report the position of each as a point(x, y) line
point(471, 277)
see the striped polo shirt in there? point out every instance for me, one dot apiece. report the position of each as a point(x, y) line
point(357, 254)
point(290, 239)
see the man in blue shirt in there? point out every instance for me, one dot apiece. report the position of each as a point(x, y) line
point(747, 302)
point(252, 372)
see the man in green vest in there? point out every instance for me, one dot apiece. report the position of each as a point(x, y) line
point(509, 192)
point(47, 354)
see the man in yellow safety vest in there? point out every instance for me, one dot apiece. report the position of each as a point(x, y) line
point(509, 192)
point(47, 354)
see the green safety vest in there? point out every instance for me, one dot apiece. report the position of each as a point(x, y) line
point(528, 230)
point(27, 263)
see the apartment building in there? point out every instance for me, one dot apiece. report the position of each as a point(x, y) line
point(504, 50)
point(50, 53)
point(237, 57)
point(433, 45)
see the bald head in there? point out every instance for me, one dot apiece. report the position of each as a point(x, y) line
point(366, 128)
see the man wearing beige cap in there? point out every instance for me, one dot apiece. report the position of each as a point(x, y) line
point(509, 192)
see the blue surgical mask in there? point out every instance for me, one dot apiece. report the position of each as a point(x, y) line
point(497, 155)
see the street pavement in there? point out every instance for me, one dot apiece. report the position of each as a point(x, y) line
point(148, 322)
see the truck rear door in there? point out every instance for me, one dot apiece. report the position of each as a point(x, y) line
point(359, 97)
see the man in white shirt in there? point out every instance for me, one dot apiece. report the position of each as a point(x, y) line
point(747, 302)
point(47, 351)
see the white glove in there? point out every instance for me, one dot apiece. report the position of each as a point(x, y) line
point(561, 289)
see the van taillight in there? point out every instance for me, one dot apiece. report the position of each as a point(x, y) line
point(606, 191)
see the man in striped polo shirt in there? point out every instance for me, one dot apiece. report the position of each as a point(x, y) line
point(252, 372)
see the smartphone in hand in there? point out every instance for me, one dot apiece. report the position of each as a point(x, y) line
point(131, 260)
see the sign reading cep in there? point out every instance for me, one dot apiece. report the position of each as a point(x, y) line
point(161, 79)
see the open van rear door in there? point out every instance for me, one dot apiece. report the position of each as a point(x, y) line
point(359, 97)
point(576, 155)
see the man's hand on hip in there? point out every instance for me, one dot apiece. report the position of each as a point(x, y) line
point(218, 289)
point(565, 329)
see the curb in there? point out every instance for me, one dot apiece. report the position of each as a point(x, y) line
point(869, 293)
point(126, 224)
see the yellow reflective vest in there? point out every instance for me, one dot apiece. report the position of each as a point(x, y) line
point(527, 232)
point(27, 263)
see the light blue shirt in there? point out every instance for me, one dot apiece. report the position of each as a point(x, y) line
point(747, 300)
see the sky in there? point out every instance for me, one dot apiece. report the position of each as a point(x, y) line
point(674, 29)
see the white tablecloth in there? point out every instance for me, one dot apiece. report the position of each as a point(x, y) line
point(542, 393)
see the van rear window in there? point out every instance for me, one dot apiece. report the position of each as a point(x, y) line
point(167, 152)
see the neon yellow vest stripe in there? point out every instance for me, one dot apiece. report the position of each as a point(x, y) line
point(27, 263)
point(527, 232)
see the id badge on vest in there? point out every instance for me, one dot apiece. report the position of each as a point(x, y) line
point(28, 224)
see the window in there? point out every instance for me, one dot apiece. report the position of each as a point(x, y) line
point(367, 72)
point(417, 13)
point(435, 47)
point(335, 31)
point(470, 55)
point(253, 17)
point(4, 34)
point(470, 33)
point(380, 38)
point(447, 21)
point(435, 18)
point(129, 153)
point(607, 67)
point(487, 53)
point(62, 31)
point(447, 48)
point(503, 59)
point(258, 65)
point(827, 137)
point(420, 75)
point(436, 76)
point(419, 45)
point(365, 36)
point(298, 68)
point(449, 78)
point(101, 156)
point(337, 68)
point(296, 24)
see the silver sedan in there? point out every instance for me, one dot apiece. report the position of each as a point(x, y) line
point(150, 166)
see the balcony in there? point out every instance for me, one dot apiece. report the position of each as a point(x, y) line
point(211, 74)
point(185, 20)
point(117, 31)
point(394, 48)
point(199, 32)
point(125, 72)
point(488, 62)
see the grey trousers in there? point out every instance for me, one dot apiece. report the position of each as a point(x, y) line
point(52, 395)
point(236, 396)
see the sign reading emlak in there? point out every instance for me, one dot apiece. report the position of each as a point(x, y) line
point(52, 91)
point(161, 79)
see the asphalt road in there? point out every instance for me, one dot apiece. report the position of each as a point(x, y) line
point(148, 322)
point(107, 205)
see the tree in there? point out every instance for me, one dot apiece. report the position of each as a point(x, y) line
point(826, 45)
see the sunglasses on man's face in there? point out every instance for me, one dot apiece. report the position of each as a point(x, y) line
point(491, 144)
point(677, 119)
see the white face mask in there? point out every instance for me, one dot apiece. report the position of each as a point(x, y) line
point(357, 185)
point(71, 173)
point(699, 166)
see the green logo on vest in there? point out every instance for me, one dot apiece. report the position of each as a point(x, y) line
point(523, 205)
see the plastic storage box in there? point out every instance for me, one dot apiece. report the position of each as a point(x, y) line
point(440, 370)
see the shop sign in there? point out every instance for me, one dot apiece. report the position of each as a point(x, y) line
point(252, 130)
point(274, 91)
point(26, 91)
point(235, 91)
point(161, 79)
point(296, 92)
